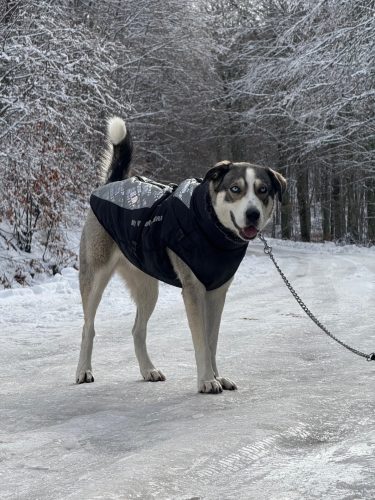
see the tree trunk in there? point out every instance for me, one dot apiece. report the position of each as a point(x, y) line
point(371, 211)
point(337, 229)
point(286, 205)
point(304, 203)
point(286, 217)
point(353, 211)
point(325, 204)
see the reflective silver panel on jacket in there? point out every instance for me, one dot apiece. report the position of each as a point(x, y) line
point(131, 193)
point(185, 190)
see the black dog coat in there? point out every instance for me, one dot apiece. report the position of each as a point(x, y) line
point(145, 218)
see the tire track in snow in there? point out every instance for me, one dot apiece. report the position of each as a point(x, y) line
point(249, 454)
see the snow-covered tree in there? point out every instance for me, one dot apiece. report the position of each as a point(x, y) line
point(307, 92)
point(55, 74)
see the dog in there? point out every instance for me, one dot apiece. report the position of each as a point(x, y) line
point(223, 212)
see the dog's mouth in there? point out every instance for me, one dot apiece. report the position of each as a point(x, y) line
point(248, 233)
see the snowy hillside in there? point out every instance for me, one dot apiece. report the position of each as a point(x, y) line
point(301, 425)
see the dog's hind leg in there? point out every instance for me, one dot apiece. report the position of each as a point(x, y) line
point(145, 291)
point(92, 289)
point(98, 259)
point(215, 300)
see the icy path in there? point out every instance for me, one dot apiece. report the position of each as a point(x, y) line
point(301, 426)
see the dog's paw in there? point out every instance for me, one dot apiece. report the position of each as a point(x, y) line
point(153, 375)
point(210, 386)
point(227, 383)
point(84, 376)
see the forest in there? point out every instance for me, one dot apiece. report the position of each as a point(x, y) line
point(283, 83)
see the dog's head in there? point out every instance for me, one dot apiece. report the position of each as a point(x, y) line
point(243, 196)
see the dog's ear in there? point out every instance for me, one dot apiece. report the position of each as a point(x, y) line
point(217, 173)
point(278, 182)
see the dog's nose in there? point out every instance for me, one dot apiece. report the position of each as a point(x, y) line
point(252, 216)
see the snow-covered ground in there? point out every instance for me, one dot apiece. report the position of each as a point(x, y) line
point(301, 425)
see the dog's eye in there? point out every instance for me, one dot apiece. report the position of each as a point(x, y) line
point(262, 190)
point(235, 189)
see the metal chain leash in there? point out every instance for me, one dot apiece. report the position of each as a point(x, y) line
point(268, 251)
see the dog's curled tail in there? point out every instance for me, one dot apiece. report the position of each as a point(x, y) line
point(117, 157)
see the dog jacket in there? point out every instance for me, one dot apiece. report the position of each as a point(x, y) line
point(145, 218)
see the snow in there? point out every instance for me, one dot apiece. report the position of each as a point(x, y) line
point(301, 425)
point(19, 268)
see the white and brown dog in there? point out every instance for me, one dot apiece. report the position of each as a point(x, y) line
point(193, 235)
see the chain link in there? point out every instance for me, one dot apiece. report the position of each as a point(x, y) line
point(268, 251)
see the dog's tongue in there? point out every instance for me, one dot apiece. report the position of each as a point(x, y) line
point(250, 232)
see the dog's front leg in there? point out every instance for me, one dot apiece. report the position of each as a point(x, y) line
point(214, 307)
point(194, 295)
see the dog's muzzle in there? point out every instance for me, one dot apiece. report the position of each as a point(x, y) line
point(249, 232)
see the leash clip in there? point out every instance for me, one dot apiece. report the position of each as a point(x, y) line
point(267, 249)
point(371, 357)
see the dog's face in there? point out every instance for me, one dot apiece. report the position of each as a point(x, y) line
point(243, 196)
